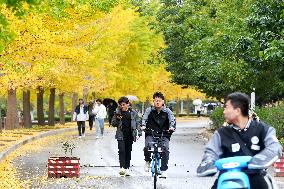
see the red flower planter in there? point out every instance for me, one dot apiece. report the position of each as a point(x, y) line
point(67, 167)
point(279, 167)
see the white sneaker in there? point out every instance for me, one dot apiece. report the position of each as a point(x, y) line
point(79, 137)
point(127, 172)
point(163, 174)
point(83, 135)
point(97, 137)
point(147, 166)
point(122, 171)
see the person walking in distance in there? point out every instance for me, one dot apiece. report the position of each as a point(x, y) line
point(91, 114)
point(127, 122)
point(111, 110)
point(197, 104)
point(100, 115)
point(80, 115)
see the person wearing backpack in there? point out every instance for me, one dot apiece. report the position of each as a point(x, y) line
point(160, 119)
point(243, 136)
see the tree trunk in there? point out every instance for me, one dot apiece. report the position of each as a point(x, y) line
point(0, 119)
point(147, 103)
point(51, 120)
point(12, 114)
point(0, 124)
point(40, 113)
point(27, 109)
point(61, 107)
point(74, 102)
point(177, 107)
point(94, 95)
point(85, 94)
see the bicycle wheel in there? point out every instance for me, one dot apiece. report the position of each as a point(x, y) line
point(155, 174)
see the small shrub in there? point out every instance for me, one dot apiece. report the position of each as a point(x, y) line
point(273, 116)
point(68, 146)
point(217, 118)
point(281, 141)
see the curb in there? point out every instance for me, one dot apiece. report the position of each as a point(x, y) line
point(9, 150)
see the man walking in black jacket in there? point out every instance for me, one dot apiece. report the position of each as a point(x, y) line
point(161, 120)
point(127, 122)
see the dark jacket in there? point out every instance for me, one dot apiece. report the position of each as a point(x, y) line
point(90, 109)
point(258, 137)
point(159, 121)
point(135, 125)
point(77, 109)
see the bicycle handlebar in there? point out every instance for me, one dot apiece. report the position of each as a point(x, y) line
point(152, 130)
point(157, 134)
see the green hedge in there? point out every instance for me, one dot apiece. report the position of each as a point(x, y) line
point(217, 118)
point(273, 116)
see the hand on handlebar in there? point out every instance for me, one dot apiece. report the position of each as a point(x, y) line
point(170, 130)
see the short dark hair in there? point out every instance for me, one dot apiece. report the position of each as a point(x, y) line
point(99, 100)
point(158, 95)
point(123, 99)
point(240, 100)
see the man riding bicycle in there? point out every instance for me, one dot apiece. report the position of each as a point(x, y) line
point(160, 120)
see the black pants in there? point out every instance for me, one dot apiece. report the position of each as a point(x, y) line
point(110, 116)
point(81, 127)
point(198, 113)
point(165, 154)
point(91, 121)
point(256, 182)
point(124, 152)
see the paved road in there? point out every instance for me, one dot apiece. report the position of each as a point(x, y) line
point(99, 160)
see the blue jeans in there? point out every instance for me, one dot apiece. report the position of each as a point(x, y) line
point(99, 127)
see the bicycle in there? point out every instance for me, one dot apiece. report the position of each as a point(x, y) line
point(156, 151)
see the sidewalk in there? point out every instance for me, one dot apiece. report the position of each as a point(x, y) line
point(100, 164)
point(12, 139)
point(190, 118)
point(280, 182)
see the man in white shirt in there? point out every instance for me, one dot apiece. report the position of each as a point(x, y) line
point(100, 112)
point(80, 115)
point(197, 103)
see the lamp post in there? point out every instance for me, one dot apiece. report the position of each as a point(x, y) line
point(252, 100)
